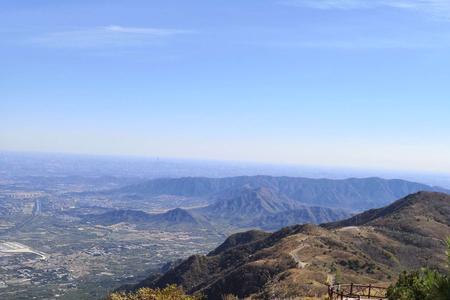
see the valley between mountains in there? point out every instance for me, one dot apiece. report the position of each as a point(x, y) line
point(216, 236)
point(226, 205)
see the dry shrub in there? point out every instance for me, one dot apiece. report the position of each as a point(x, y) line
point(171, 292)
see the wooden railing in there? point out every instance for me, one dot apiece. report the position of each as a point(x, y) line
point(356, 291)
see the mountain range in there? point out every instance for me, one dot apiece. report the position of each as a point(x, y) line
point(298, 261)
point(233, 210)
point(264, 209)
point(353, 194)
point(256, 202)
point(172, 220)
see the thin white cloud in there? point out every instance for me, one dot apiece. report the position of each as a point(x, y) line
point(146, 30)
point(107, 36)
point(435, 8)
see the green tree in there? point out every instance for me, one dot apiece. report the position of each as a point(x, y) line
point(425, 284)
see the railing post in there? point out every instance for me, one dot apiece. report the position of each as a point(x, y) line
point(356, 291)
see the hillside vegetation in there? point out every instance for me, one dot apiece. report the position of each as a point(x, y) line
point(298, 261)
point(424, 284)
point(170, 292)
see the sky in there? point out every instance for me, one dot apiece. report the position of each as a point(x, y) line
point(354, 83)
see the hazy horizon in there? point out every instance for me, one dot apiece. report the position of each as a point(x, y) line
point(147, 167)
point(342, 84)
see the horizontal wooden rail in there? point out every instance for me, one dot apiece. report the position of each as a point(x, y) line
point(356, 291)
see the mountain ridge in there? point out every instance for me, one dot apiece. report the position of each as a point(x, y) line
point(259, 208)
point(175, 219)
point(353, 193)
point(299, 260)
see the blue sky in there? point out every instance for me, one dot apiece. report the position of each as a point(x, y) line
point(335, 82)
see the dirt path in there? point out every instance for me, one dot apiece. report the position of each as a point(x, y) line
point(295, 255)
point(331, 279)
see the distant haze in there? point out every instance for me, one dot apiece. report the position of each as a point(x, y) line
point(15, 164)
